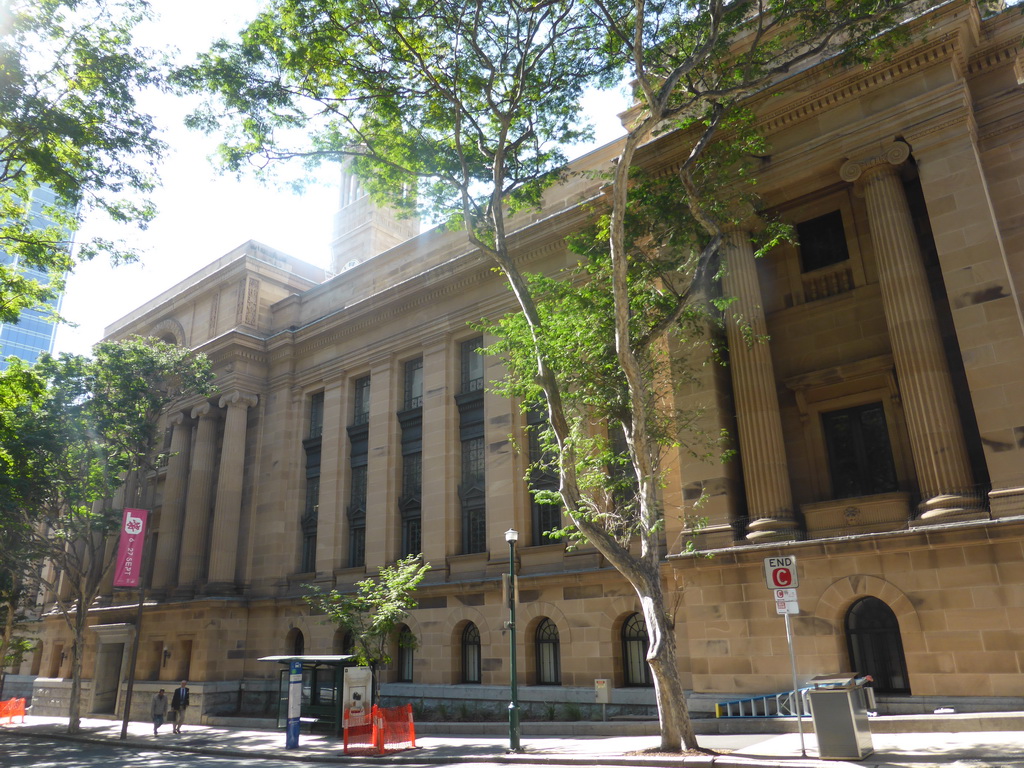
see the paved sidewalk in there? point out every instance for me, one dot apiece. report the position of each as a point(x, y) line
point(991, 749)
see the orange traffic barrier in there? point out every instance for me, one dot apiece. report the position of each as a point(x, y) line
point(11, 709)
point(394, 728)
point(379, 731)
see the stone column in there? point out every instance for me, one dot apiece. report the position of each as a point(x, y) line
point(762, 447)
point(228, 510)
point(440, 458)
point(168, 545)
point(936, 437)
point(192, 555)
point(333, 455)
point(968, 201)
point(382, 465)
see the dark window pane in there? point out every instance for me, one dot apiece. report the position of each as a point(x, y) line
point(357, 544)
point(357, 497)
point(473, 461)
point(316, 415)
point(471, 654)
point(859, 454)
point(548, 654)
point(474, 529)
point(822, 241)
point(406, 648)
point(413, 384)
point(412, 534)
point(635, 671)
point(472, 365)
point(361, 413)
point(412, 475)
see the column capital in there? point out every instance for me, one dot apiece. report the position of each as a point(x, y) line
point(239, 398)
point(204, 410)
point(892, 154)
point(176, 419)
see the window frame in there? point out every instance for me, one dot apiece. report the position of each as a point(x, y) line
point(636, 672)
point(470, 647)
point(548, 649)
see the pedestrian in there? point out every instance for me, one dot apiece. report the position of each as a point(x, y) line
point(179, 703)
point(159, 710)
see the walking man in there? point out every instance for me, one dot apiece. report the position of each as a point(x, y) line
point(159, 710)
point(179, 703)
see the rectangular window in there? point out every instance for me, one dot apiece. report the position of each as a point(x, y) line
point(472, 497)
point(361, 412)
point(472, 365)
point(357, 543)
point(859, 453)
point(357, 518)
point(412, 475)
point(543, 477)
point(471, 438)
point(473, 461)
point(359, 440)
point(309, 520)
point(412, 533)
point(413, 384)
point(316, 415)
point(357, 497)
point(822, 241)
point(410, 420)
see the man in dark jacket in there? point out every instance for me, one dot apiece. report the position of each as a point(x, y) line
point(179, 703)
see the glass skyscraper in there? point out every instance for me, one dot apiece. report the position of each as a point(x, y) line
point(34, 332)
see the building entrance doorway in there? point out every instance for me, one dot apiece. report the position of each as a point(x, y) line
point(111, 663)
point(875, 645)
point(108, 678)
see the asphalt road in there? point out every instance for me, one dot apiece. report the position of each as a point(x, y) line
point(36, 752)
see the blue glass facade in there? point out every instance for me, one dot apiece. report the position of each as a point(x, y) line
point(34, 333)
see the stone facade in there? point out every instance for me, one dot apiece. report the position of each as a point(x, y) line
point(880, 431)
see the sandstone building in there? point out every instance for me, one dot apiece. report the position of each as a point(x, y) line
point(880, 432)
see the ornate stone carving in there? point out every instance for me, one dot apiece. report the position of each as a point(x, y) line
point(895, 153)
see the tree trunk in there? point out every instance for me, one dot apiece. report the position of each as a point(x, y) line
point(75, 698)
point(673, 712)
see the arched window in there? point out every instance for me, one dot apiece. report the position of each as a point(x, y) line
point(406, 646)
point(635, 671)
point(298, 643)
point(471, 654)
point(875, 645)
point(549, 667)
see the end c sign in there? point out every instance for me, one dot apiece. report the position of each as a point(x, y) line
point(780, 572)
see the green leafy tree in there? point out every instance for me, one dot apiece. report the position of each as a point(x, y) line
point(73, 140)
point(461, 107)
point(20, 391)
point(377, 608)
point(94, 430)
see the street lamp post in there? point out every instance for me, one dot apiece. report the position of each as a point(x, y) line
point(511, 536)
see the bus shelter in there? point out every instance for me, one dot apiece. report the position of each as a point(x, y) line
point(324, 696)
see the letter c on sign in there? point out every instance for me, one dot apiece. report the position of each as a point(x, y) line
point(782, 577)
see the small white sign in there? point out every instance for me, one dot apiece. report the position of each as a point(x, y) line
point(787, 606)
point(780, 572)
point(785, 594)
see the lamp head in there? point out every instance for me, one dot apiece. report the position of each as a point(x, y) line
point(511, 535)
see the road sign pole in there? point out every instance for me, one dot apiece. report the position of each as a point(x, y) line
point(796, 689)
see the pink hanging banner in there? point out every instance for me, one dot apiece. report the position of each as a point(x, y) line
point(129, 549)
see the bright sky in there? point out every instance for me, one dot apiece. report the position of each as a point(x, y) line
point(202, 214)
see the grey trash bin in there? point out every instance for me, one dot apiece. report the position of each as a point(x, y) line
point(839, 712)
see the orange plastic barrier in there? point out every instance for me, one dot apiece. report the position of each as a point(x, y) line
point(11, 709)
point(357, 728)
point(379, 731)
point(394, 728)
